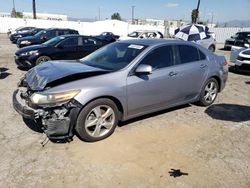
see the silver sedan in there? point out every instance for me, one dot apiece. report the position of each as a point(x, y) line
point(118, 82)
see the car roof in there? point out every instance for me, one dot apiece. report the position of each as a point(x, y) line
point(247, 32)
point(49, 29)
point(154, 42)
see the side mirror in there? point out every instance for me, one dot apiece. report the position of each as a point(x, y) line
point(247, 45)
point(143, 69)
point(231, 37)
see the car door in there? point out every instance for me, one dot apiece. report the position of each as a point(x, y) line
point(48, 35)
point(192, 70)
point(67, 49)
point(156, 90)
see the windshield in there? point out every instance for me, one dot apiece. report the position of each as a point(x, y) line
point(113, 57)
point(235, 36)
point(134, 34)
point(40, 33)
point(54, 41)
point(35, 31)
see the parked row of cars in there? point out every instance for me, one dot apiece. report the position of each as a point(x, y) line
point(38, 45)
point(239, 44)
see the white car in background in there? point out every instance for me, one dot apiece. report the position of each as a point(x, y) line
point(240, 56)
point(143, 34)
point(209, 42)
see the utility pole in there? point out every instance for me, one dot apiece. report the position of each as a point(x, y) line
point(133, 9)
point(212, 19)
point(99, 13)
point(14, 4)
point(13, 12)
point(34, 8)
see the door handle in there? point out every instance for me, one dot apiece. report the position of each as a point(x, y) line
point(171, 74)
point(203, 66)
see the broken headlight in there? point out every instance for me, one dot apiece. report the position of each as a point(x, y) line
point(52, 98)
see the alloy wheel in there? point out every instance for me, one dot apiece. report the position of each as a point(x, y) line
point(100, 121)
point(210, 92)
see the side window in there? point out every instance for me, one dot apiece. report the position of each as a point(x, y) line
point(66, 32)
point(188, 54)
point(159, 58)
point(50, 34)
point(90, 42)
point(60, 32)
point(70, 42)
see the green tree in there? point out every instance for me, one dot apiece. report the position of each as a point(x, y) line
point(116, 16)
point(19, 14)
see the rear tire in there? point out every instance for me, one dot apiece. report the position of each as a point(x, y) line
point(97, 120)
point(211, 48)
point(42, 59)
point(209, 92)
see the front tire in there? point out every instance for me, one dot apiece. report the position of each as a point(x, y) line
point(97, 120)
point(42, 59)
point(209, 92)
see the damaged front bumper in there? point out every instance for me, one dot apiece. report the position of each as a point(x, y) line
point(57, 122)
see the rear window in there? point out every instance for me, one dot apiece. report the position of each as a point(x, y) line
point(188, 54)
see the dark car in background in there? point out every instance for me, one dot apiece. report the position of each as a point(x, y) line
point(67, 47)
point(239, 39)
point(19, 29)
point(108, 36)
point(44, 36)
point(14, 37)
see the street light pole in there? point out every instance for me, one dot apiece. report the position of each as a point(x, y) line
point(133, 9)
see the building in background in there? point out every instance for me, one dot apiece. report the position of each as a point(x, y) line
point(46, 16)
point(155, 22)
point(5, 15)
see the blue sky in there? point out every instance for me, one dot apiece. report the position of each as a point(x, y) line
point(223, 10)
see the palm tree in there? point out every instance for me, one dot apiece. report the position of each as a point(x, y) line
point(34, 8)
point(195, 13)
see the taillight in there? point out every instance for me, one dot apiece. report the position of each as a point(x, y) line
point(225, 63)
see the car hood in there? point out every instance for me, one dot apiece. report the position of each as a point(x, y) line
point(230, 40)
point(31, 48)
point(53, 73)
point(30, 38)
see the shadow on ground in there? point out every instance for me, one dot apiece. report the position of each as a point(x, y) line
point(177, 173)
point(35, 127)
point(229, 112)
point(223, 49)
point(32, 125)
point(3, 73)
point(232, 69)
point(121, 124)
point(247, 82)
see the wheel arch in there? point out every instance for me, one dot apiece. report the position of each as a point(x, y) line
point(217, 78)
point(117, 102)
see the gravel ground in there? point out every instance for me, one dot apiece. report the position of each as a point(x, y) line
point(210, 146)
